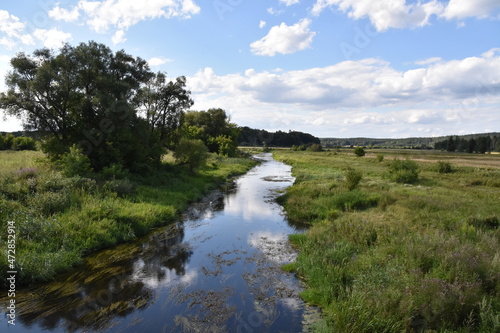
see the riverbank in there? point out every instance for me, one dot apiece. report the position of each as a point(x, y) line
point(381, 255)
point(59, 220)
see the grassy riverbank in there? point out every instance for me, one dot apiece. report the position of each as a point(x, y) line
point(385, 256)
point(58, 220)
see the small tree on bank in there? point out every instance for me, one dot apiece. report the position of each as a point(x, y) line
point(359, 151)
point(192, 152)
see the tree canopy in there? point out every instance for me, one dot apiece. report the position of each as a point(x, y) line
point(108, 103)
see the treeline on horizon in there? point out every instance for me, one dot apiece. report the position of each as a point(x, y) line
point(248, 137)
point(470, 143)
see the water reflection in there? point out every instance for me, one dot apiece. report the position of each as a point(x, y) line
point(218, 271)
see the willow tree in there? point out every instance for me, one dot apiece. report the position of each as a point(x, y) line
point(90, 96)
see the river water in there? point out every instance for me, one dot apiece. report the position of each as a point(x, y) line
point(216, 270)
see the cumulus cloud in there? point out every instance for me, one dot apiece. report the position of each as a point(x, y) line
point(12, 31)
point(101, 16)
point(285, 39)
point(460, 9)
point(158, 61)
point(262, 24)
point(398, 14)
point(53, 38)
point(62, 14)
point(367, 92)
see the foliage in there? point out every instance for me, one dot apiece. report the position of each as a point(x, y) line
point(75, 163)
point(403, 171)
point(359, 151)
point(425, 258)
point(164, 103)
point(214, 128)
point(444, 167)
point(380, 158)
point(90, 96)
point(315, 147)
point(191, 152)
point(9, 141)
point(61, 219)
point(254, 137)
point(352, 178)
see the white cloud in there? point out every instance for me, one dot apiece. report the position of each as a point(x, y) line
point(385, 14)
point(53, 38)
point(460, 9)
point(12, 30)
point(290, 2)
point(101, 16)
point(262, 24)
point(428, 61)
point(439, 98)
point(158, 61)
point(62, 14)
point(285, 39)
point(398, 14)
point(118, 37)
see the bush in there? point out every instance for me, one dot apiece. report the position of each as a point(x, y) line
point(403, 171)
point(191, 152)
point(380, 158)
point(355, 200)
point(359, 151)
point(122, 187)
point(75, 163)
point(444, 167)
point(352, 178)
point(315, 148)
point(23, 143)
point(49, 203)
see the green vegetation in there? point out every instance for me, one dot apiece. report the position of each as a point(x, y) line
point(262, 138)
point(60, 216)
point(11, 142)
point(393, 257)
point(470, 143)
point(359, 151)
point(105, 123)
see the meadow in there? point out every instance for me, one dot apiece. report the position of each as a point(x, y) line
point(59, 219)
point(398, 241)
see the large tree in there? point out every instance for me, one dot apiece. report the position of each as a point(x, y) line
point(90, 96)
point(214, 128)
point(163, 103)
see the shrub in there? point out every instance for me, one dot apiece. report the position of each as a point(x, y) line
point(23, 143)
point(191, 152)
point(75, 163)
point(354, 200)
point(403, 171)
point(122, 187)
point(49, 203)
point(444, 167)
point(115, 171)
point(352, 178)
point(315, 148)
point(359, 151)
point(380, 158)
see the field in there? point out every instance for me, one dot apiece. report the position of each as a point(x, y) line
point(58, 220)
point(398, 241)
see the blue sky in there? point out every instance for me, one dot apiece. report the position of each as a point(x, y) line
point(332, 68)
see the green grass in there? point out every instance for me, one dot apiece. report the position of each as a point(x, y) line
point(59, 220)
point(395, 257)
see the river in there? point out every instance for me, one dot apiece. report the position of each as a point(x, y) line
point(216, 270)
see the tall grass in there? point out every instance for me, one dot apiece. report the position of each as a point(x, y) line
point(60, 219)
point(423, 257)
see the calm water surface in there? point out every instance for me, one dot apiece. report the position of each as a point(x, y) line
point(216, 271)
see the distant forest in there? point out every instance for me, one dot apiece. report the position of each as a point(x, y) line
point(471, 143)
point(261, 138)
